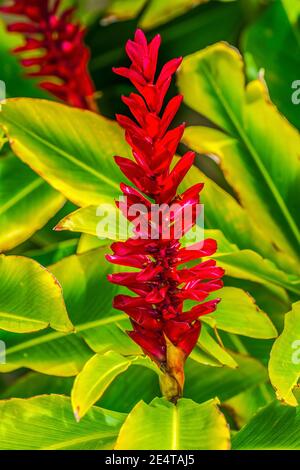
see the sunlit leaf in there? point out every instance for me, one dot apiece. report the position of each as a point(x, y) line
point(26, 202)
point(30, 297)
point(252, 152)
point(275, 427)
point(284, 365)
point(74, 151)
point(186, 425)
point(47, 423)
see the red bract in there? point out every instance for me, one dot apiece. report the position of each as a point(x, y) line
point(57, 51)
point(162, 328)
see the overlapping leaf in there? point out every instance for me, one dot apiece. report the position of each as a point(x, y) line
point(284, 365)
point(30, 297)
point(27, 202)
point(73, 151)
point(47, 423)
point(275, 427)
point(252, 153)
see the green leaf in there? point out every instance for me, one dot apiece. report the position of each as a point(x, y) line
point(160, 11)
point(53, 253)
point(246, 264)
point(88, 296)
point(135, 384)
point(47, 423)
point(275, 427)
point(30, 297)
point(284, 365)
point(109, 223)
point(237, 313)
point(73, 152)
point(96, 376)
point(123, 9)
point(32, 384)
point(231, 219)
point(252, 152)
point(204, 382)
point(206, 429)
point(278, 30)
point(26, 202)
point(210, 346)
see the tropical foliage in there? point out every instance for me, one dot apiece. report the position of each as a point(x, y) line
point(71, 377)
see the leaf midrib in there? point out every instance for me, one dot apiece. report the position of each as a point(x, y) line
point(64, 154)
point(56, 334)
point(255, 156)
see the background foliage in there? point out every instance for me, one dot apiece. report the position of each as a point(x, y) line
point(66, 347)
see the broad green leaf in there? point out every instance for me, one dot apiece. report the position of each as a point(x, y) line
point(26, 202)
point(246, 264)
point(275, 427)
point(157, 12)
point(47, 423)
point(230, 218)
point(104, 222)
point(184, 426)
point(30, 297)
point(96, 376)
point(135, 384)
point(89, 242)
point(73, 152)
point(204, 382)
point(53, 253)
point(32, 384)
point(253, 150)
point(237, 313)
point(48, 352)
point(245, 405)
point(123, 9)
point(278, 29)
point(284, 365)
point(88, 297)
point(210, 346)
point(161, 11)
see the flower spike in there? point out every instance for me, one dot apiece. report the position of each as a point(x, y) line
point(162, 280)
point(63, 66)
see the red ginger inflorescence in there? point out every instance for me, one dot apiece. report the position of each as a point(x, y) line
point(57, 51)
point(161, 328)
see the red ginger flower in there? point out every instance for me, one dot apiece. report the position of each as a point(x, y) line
point(65, 58)
point(163, 330)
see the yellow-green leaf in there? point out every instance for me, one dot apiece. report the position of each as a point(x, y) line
point(70, 148)
point(275, 427)
point(237, 313)
point(165, 426)
point(30, 297)
point(284, 365)
point(27, 202)
point(47, 423)
point(96, 376)
point(253, 151)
